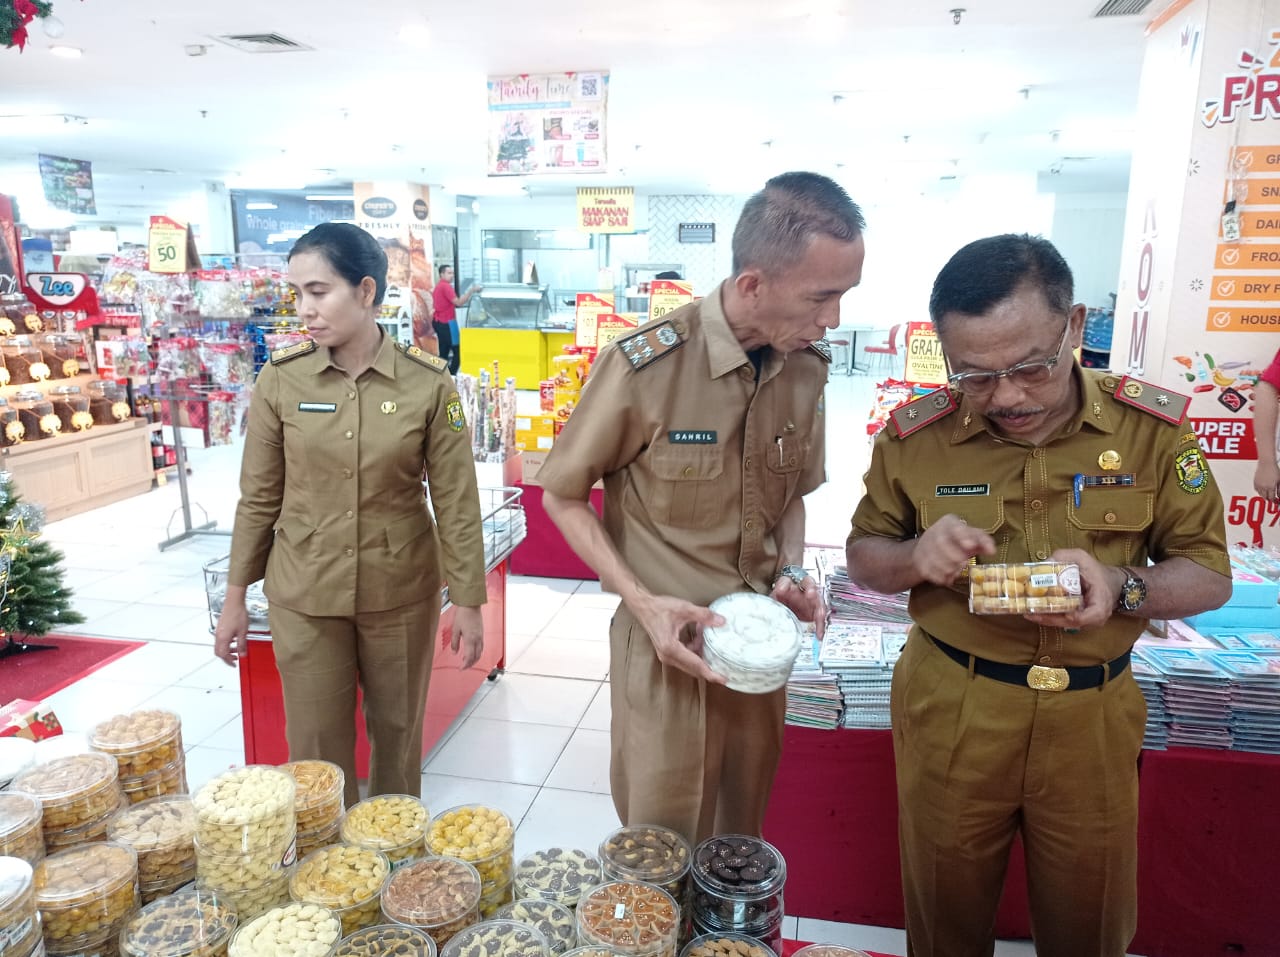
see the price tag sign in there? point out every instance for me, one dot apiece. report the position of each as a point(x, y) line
point(668, 295)
point(167, 245)
point(590, 307)
point(613, 326)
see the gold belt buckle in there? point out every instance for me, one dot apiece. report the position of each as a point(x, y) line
point(1048, 679)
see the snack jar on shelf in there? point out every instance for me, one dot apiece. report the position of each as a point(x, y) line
point(108, 402)
point(11, 430)
point(36, 414)
point(24, 361)
point(17, 315)
point(71, 406)
point(60, 351)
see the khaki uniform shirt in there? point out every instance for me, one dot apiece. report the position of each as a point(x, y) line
point(699, 459)
point(331, 504)
point(1026, 501)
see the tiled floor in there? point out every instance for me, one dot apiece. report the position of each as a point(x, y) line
point(534, 743)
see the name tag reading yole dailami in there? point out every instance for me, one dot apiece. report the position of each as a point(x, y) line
point(942, 491)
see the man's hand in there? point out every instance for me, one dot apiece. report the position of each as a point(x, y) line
point(675, 628)
point(805, 600)
point(1099, 588)
point(231, 635)
point(942, 552)
point(467, 634)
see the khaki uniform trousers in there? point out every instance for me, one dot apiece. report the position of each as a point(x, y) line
point(697, 758)
point(320, 659)
point(979, 760)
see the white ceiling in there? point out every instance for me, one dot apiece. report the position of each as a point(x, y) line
point(698, 87)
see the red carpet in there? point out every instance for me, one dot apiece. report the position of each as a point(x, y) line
point(38, 674)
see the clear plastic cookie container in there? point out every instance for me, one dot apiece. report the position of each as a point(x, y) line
point(440, 895)
point(756, 646)
point(84, 895)
point(74, 791)
point(387, 940)
point(318, 803)
point(246, 811)
point(191, 922)
point(252, 883)
point(169, 780)
point(395, 824)
point(738, 886)
point(140, 741)
point(727, 944)
point(631, 918)
point(829, 950)
point(347, 880)
point(482, 836)
point(557, 874)
point(494, 899)
point(554, 921)
point(19, 919)
point(21, 829)
point(310, 843)
point(298, 930)
point(1019, 589)
point(497, 938)
point(162, 833)
point(649, 853)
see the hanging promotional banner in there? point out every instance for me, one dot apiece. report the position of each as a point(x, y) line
point(398, 216)
point(668, 295)
point(1196, 310)
point(547, 123)
point(68, 184)
point(590, 307)
point(606, 209)
point(612, 326)
point(167, 245)
point(925, 364)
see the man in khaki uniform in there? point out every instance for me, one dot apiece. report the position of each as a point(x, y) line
point(1028, 723)
point(332, 513)
point(707, 429)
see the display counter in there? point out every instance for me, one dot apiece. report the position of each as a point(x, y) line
point(513, 325)
point(544, 552)
point(1206, 843)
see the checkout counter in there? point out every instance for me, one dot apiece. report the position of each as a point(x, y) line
point(513, 324)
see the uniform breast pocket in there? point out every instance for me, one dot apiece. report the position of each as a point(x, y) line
point(784, 460)
point(686, 487)
point(1111, 524)
point(985, 512)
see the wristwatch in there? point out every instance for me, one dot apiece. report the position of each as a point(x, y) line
point(795, 572)
point(1132, 593)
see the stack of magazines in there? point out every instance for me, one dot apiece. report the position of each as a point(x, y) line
point(813, 697)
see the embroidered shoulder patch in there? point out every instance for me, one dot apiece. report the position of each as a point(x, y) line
point(453, 410)
point(822, 349)
point(650, 343)
point(293, 351)
point(1191, 470)
point(1160, 402)
point(423, 358)
point(918, 413)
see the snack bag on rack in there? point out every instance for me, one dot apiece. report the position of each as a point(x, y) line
point(890, 394)
point(220, 295)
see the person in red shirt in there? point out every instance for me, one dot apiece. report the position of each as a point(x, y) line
point(445, 321)
point(1266, 397)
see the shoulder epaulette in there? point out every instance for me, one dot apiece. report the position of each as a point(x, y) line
point(293, 351)
point(918, 413)
point(822, 349)
point(650, 343)
point(1160, 402)
point(423, 358)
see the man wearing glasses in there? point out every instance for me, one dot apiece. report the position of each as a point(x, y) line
point(1028, 723)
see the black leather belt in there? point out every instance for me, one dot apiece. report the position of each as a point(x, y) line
point(1039, 677)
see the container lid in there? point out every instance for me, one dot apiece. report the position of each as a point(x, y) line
point(716, 945)
point(829, 950)
point(646, 852)
point(137, 730)
point(555, 921)
point(630, 914)
point(431, 892)
point(28, 395)
point(16, 878)
point(18, 812)
point(758, 633)
point(558, 874)
point(24, 341)
point(244, 795)
point(590, 950)
point(65, 390)
point(386, 940)
point(498, 938)
point(67, 779)
point(317, 781)
point(279, 931)
point(739, 867)
point(386, 822)
point(168, 821)
point(340, 876)
point(16, 754)
point(471, 832)
point(140, 782)
point(190, 920)
point(88, 870)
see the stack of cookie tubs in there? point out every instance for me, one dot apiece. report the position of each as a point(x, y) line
point(19, 918)
point(78, 795)
point(652, 854)
point(191, 922)
point(738, 884)
point(85, 894)
point(147, 746)
point(485, 838)
point(318, 803)
point(162, 832)
point(21, 826)
point(244, 838)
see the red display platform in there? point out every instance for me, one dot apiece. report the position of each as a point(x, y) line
point(1207, 839)
point(544, 552)
point(451, 688)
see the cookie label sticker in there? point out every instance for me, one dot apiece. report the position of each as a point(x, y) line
point(1193, 475)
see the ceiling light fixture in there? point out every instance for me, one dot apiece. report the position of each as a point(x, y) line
point(66, 52)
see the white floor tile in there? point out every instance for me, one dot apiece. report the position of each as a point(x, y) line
point(538, 699)
point(887, 940)
point(203, 711)
point(598, 715)
point(581, 622)
point(590, 595)
point(229, 737)
point(93, 700)
point(213, 675)
point(443, 791)
point(1015, 948)
point(186, 592)
point(501, 751)
point(149, 622)
point(564, 658)
point(93, 610)
point(584, 765)
point(204, 764)
point(517, 643)
point(789, 927)
point(156, 661)
point(566, 819)
point(138, 587)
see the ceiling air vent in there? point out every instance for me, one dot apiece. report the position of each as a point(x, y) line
point(1121, 8)
point(261, 43)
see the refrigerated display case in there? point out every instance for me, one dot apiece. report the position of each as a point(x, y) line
point(511, 324)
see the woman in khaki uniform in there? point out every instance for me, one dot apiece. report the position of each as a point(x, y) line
point(332, 513)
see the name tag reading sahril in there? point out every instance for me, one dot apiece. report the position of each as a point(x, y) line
point(941, 491)
point(692, 437)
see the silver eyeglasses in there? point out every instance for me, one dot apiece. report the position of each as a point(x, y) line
point(1027, 375)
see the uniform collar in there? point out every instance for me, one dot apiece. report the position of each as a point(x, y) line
point(384, 363)
point(724, 353)
point(1096, 411)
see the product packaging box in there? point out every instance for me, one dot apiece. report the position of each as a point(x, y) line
point(28, 719)
point(1018, 589)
